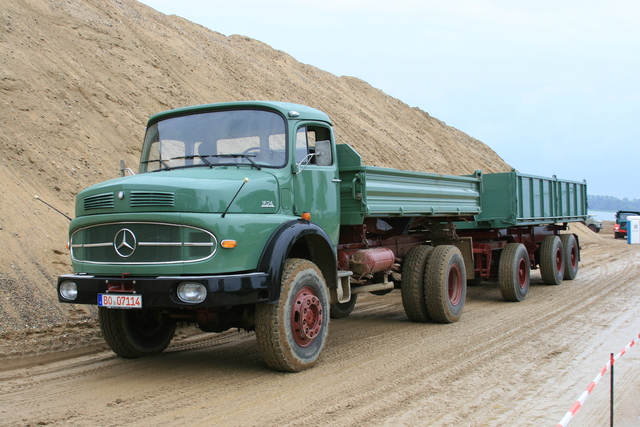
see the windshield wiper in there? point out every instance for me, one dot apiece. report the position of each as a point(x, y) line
point(202, 157)
point(162, 162)
point(236, 156)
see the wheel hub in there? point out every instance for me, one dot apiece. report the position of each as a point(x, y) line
point(523, 273)
point(559, 260)
point(454, 285)
point(306, 317)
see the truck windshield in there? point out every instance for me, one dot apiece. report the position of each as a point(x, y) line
point(254, 138)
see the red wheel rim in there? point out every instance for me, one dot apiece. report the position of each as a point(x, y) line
point(454, 285)
point(306, 317)
point(523, 273)
point(558, 260)
point(574, 257)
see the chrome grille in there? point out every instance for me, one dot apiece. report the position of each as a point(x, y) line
point(140, 243)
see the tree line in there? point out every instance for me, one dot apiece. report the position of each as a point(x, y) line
point(610, 203)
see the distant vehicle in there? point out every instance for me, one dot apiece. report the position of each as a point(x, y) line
point(593, 223)
point(620, 227)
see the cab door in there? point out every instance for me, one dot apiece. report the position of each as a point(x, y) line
point(316, 179)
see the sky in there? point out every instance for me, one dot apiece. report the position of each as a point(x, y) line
point(552, 86)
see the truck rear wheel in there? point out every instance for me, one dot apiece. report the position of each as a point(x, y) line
point(551, 260)
point(339, 310)
point(291, 333)
point(136, 333)
point(445, 284)
point(412, 285)
point(571, 256)
point(514, 272)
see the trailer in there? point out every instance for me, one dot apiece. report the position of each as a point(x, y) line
point(521, 227)
point(249, 215)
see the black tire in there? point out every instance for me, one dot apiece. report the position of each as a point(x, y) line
point(514, 270)
point(445, 284)
point(291, 333)
point(339, 310)
point(571, 256)
point(412, 285)
point(551, 260)
point(593, 228)
point(135, 333)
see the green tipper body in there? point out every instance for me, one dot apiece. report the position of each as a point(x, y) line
point(368, 191)
point(514, 199)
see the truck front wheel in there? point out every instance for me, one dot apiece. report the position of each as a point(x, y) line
point(514, 272)
point(445, 284)
point(291, 332)
point(135, 333)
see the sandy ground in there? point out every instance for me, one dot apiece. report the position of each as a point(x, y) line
point(521, 364)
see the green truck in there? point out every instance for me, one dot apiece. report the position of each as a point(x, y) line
point(248, 215)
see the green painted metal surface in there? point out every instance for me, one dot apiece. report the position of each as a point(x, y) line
point(515, 199)
point(368, 191)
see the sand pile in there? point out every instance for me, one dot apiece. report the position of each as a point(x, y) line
point(78, 79)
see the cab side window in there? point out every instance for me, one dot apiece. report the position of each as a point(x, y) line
point(313, 143)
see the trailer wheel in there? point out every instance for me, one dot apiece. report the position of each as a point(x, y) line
point(412, 284)
point(339, 310)
point(136, 333)
point(292, 331)
point(571, 256)
point(514, 272)
point(445, 284)
point(551, 260)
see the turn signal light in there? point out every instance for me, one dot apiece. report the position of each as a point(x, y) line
point(306, 216)
point(228, 244)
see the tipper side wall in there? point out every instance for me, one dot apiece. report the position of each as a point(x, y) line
point(515, 199)
point(368, 191)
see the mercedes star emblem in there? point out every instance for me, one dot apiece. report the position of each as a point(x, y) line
point(125, 243)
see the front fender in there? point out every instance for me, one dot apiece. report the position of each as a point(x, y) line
point(297, 239)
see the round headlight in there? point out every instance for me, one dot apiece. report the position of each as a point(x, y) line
point(68, 290)
point(192, 292)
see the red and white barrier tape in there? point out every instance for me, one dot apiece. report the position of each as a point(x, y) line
point(567, 417)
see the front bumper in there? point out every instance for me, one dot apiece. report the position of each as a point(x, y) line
point(161, 292)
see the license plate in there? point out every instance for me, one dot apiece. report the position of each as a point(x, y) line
point(119, 301)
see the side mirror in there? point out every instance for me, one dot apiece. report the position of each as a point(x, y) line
point(323, 153)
